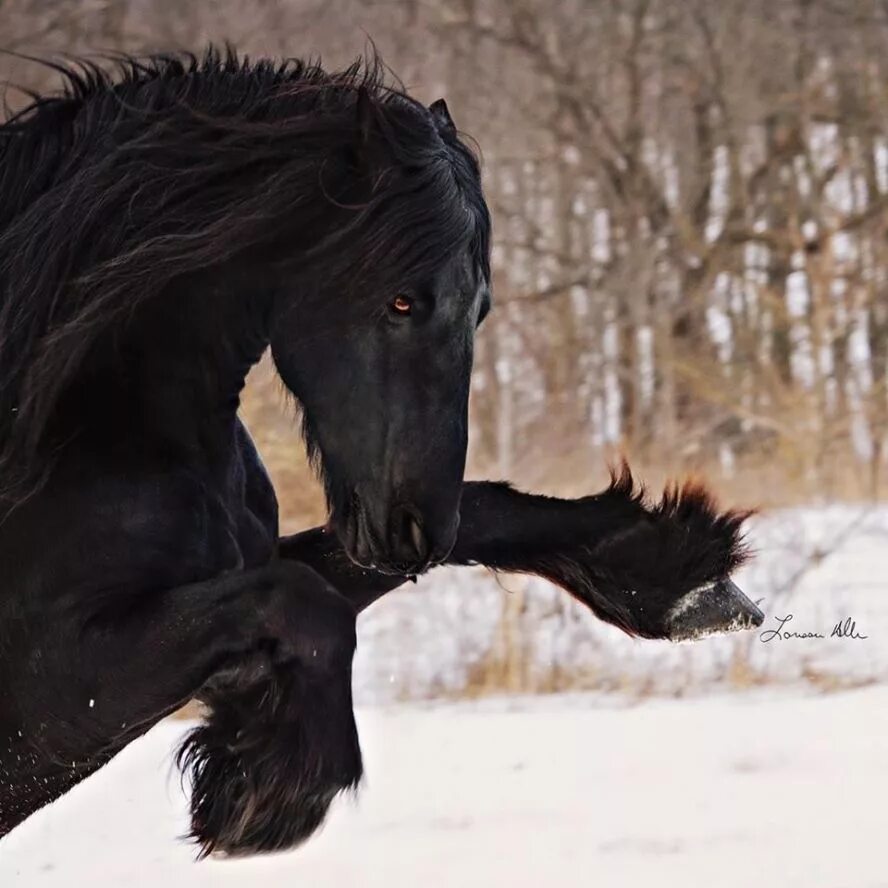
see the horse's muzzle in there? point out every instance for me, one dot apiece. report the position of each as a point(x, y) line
point(406, 546)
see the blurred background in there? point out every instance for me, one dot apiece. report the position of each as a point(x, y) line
point(691, 270)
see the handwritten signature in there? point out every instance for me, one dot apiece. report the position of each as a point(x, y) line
point(846, 628)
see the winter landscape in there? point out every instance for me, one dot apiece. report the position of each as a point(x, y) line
point(778, 789)
point(729, 762)
point(689, 268)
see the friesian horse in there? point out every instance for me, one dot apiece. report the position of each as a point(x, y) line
point(161, 226)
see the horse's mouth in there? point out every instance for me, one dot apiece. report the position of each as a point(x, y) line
point(365, 550)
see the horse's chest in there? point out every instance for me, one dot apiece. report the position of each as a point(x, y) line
point(255, 540)
point(257, 532)
point(239, 527)
point(238, 518)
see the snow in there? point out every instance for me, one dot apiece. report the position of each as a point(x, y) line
point(666, 774)
point(779, 788)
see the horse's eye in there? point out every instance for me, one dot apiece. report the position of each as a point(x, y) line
point(402, 305)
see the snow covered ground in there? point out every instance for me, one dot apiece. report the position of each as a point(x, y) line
point(779, 788)
point(694, 786)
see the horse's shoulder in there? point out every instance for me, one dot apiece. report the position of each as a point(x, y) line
point(146, 523)
point(150, 528)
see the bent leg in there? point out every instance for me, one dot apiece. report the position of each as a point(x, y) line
point(656, 569)
point(138, 661)
point(321, 550)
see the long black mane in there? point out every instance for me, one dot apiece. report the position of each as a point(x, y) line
point(129, 179)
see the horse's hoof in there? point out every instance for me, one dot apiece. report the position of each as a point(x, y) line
point(716, 607)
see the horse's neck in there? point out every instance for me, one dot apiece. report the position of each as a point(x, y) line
point(177, 376)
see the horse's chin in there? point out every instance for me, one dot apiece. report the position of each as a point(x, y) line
point(381, 563)
point(387, 567)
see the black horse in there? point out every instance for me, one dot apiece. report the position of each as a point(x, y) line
point(160, 227)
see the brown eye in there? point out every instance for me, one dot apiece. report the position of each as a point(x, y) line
point(402, 305)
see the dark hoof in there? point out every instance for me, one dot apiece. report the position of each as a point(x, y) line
point(717, 607)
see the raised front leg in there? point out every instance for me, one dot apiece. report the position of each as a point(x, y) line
point(138, 659)
point(657, 570)
point(654, 569)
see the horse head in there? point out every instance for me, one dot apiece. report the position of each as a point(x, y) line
point(377, 345)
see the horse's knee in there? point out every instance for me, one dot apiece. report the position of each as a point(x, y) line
point(312, 623)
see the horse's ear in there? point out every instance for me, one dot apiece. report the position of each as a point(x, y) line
point(366, 117)
point(366, 150)
point(441, 115)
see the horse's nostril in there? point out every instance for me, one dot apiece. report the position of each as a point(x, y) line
point(419, 542)
point(358, 537)
point(409, 542)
